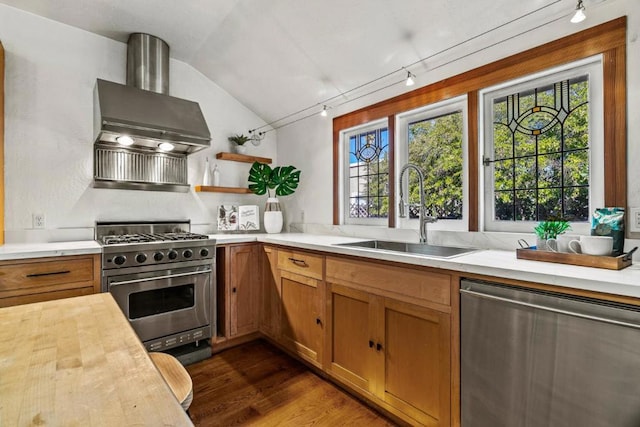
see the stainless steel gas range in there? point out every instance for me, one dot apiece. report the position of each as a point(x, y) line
point(163, 278)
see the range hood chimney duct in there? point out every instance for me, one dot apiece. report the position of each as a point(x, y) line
point(148, 63)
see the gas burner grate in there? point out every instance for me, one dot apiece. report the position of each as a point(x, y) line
point(183, 236)
point(119, 239)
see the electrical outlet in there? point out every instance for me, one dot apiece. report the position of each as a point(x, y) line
point(634, 220)
point(37, 220)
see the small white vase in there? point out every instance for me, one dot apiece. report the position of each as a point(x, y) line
point(272, 216)
point(241, 149)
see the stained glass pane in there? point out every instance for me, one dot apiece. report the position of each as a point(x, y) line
point(368, 174)
point(525, 172)
point(503, 146)
point(541, 157)
point(576, 203)
point(576, 129)
point(550, 171)
point(503, 175)
point(576, 168)
point(525, 145)
point(550, 203)
point(551, 141)
point(504, 205)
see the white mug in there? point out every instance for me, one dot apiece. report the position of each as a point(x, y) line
point(592, 245)
point(561, 243)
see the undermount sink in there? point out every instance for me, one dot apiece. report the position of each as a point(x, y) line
point(411, 248)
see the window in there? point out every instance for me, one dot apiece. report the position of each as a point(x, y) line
point(561, 174)
point(366, 194)
point(543, 148)
point(434, 139)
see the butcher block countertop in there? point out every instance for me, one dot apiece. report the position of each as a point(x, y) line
point(78, 362)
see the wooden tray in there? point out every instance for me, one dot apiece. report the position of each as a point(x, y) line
point(608, 262)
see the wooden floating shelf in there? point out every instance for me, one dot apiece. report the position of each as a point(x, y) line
point(212, 189)
point(242, 158)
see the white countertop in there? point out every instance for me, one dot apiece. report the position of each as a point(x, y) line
point(13, 251)
point(495, 263)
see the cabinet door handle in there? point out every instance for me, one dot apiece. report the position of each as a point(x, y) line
point(51, 273)
point(299, 262)
point(378, 346)
point(371, 344)
point(318, 321)
point(233, 290)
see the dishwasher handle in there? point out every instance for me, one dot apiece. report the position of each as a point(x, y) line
point(547, 308)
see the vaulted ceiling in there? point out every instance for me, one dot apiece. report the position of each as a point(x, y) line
point(280, 56)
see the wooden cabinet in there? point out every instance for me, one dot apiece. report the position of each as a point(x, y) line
point(43, 279)
point(390, 337)
point(270, 307)
point(302, 310)
point(238, 270)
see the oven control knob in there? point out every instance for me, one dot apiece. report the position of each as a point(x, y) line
point(204, 252)
point(140, 258)
point(172, 254)
point(119, 259)
point(188, 253)
point(158, 256)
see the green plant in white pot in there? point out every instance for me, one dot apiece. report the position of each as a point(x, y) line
point(239, 140)
point(549, 229)
point(283, 180)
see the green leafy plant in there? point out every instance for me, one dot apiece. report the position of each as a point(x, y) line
point(550, 229)
point(238, 139)
point(283, 179)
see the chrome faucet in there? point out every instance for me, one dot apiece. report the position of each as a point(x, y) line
point(424, 218)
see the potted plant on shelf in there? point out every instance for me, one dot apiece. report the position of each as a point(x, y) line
point(550, 229)
point(283, 180)
point(239, 140)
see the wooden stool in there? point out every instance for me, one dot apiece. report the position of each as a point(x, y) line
point(176, 376)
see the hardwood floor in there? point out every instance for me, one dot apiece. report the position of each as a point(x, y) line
point(257, 384)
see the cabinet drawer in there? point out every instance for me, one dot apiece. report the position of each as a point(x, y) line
point(301, 263)
point(31, 277)
point(422, 285)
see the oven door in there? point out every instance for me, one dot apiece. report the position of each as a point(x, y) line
point(164, 302)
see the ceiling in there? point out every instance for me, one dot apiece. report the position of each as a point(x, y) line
point(278, 57)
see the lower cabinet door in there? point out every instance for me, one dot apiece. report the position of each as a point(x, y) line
point(244, 289)
point(302, 318)
point(352, 349)
point(417, 364)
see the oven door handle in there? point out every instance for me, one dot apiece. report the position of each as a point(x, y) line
point(169, 276)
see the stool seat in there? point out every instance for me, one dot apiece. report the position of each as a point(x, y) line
point(176, 376)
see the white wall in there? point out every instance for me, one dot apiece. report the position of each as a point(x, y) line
point(308, 143)
point(51, 69)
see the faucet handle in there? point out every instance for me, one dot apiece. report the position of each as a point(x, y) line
point(402, 209)
point(430, 219)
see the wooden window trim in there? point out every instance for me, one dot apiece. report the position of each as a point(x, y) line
point(1, 144)
point(608, 39)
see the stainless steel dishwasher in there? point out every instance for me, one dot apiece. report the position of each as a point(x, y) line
point(539, 359)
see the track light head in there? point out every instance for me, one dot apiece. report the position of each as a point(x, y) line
point(324, 113)
point(579, 16)
point(410, 81)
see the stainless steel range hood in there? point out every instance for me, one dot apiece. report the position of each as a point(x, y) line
point(142, 109)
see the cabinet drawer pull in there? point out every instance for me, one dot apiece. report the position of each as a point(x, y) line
point(299, 262)
point(51, 273)
point(378, 346)
point(371, 343)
